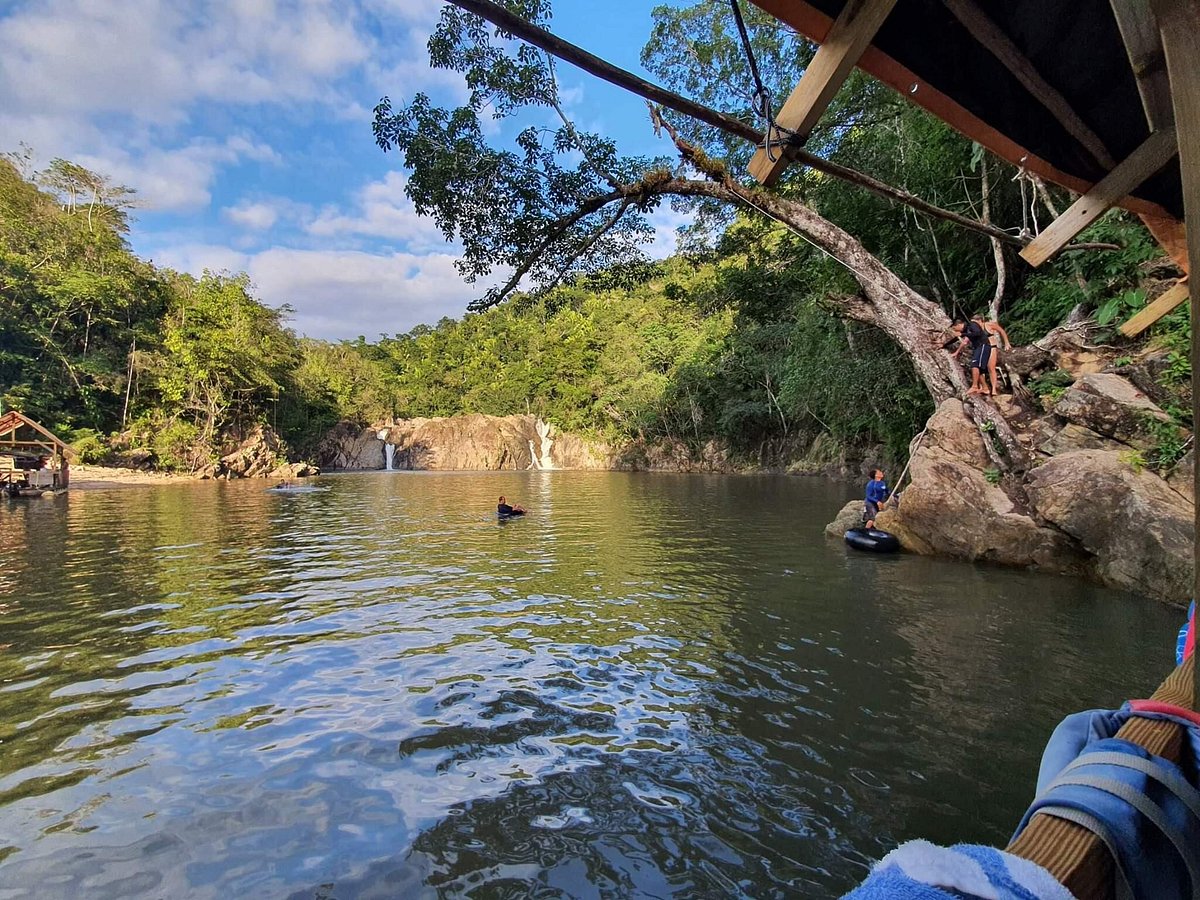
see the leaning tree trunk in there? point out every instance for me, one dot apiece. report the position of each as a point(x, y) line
point(919, 326)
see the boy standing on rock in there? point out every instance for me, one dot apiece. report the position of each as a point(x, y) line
point(877, 494)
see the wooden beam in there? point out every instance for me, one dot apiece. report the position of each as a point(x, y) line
point(1154, 153)
point(1179, 24)
point(1171, 236)
point(811, 22)
point(1139, 31)
point(987, 33)
point(850, 36)
point(1162, 305)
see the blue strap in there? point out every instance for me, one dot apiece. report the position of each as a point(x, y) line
point(1099, 829)
point(1170, 778)
point(1150, 810)
point(1143, 809)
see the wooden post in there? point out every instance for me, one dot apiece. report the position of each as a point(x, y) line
point(1179, 23)
point(850, 35)
point(1152, 155)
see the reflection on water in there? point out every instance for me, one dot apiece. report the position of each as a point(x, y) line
point(650, 686)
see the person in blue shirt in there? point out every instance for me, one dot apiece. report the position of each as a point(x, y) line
point(877, 495)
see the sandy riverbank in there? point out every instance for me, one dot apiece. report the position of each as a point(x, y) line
point(95, 478)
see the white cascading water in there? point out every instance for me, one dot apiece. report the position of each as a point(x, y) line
point(533, 457)
point(388, 448)
point(543, 431)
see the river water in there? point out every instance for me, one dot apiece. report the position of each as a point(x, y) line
point(652, 686)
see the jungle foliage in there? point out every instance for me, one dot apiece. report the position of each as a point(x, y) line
point(736, 339)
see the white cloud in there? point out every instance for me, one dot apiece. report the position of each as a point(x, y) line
point(195, 258)
point(146, 90)
point(423, 13)
point(666, 223)
point(175, 179)
point(340, 294)
point(381, 210)
point(255, 216)
point(152, 58)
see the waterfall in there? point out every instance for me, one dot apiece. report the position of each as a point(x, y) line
point(543, 432)
point(533, 457)
point(388, 448)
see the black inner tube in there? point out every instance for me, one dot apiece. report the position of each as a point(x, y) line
point(872, 539)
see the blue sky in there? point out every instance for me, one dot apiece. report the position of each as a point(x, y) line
point(244, 126)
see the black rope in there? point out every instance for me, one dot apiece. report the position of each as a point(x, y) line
point(761, 102)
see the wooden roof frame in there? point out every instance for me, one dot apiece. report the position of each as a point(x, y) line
point(816, 25)
point(12, 420)
point(1136, 26)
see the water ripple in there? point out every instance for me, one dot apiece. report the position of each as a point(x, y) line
point(651, 686)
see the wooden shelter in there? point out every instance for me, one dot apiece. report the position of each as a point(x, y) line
point(1099, 96)
point(31, 457)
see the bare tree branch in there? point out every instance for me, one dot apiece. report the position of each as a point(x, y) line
point(554, 232)
point(606, 71)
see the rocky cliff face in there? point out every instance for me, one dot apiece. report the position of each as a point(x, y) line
point(461, 442)
point(260, 454)
point(1087, 505)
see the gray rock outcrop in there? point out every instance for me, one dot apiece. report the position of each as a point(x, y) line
point(1139, 530)
point(1182, 479)
point(849, 516)
point(349, 446)
point(1110, 406)
point(951, 507)
point(1090, 508)
point(1073, 437)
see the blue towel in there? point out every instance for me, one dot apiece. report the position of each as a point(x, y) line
point(920, 870)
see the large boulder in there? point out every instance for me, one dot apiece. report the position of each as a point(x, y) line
point(952, 508)
point(951, 434)
point(1026, 361)
point(261, 453)
point(674, 456)
point(1147, 372)
point(1139, 530)
point(1110, 406)
point(1072, 437)
point(295, 470)
point(1182, 479)
point(350, 446)
point(570, 451)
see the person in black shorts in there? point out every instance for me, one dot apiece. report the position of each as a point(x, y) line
point(976, 337)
